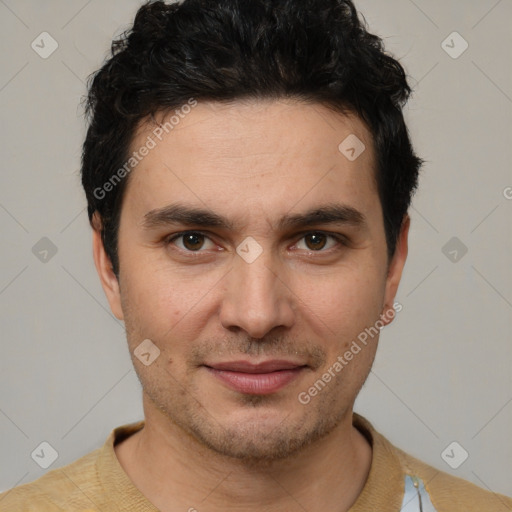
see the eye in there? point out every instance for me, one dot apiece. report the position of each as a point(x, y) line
point(191, 241)
point(317, 240)
point(195, 241)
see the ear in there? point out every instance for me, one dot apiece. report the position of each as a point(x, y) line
point(106, 274)
point(395, 271)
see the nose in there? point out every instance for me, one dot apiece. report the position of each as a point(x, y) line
point(257, 298)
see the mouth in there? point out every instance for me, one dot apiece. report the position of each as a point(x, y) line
point(262, 378)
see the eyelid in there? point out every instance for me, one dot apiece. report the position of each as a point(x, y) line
point(340, 239)
point(168, 240)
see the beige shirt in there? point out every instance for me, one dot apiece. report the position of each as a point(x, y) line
point(97, 483)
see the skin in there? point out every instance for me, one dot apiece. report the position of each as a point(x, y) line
point(205, 445)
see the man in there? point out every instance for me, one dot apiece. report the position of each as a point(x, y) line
point(248, 175)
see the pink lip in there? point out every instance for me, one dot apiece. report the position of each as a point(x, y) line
point(256, 379)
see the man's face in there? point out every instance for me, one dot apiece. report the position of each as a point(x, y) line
point(244, 326)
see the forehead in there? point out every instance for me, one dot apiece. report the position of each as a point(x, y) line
point(257, 155)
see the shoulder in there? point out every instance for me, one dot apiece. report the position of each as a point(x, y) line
point(450, 493)
point(396, 469)
point(92, 483)
point(59, 490)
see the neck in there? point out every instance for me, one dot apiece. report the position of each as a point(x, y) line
point(175, 472)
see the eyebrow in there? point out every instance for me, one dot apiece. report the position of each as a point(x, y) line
point(333, 213)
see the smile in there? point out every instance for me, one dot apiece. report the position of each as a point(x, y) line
point(256, 379)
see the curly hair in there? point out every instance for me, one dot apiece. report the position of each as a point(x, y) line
point(223, 50)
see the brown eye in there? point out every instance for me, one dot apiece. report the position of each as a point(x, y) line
point(316, 241)
point(191, 241)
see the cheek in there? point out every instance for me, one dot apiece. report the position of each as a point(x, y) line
point(343, 303)
point(163, 304)
point(147, 286)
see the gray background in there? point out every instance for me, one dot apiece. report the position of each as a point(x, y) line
point(444, 367)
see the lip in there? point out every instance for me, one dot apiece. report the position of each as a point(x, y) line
point(256, 379)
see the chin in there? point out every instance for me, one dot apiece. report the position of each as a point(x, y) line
point(261, 439)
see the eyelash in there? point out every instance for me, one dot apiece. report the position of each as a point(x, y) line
point(342, 241)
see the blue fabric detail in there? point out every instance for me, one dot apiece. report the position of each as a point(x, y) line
point(416, 498)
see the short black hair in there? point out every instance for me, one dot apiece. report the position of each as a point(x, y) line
point(223, 50)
